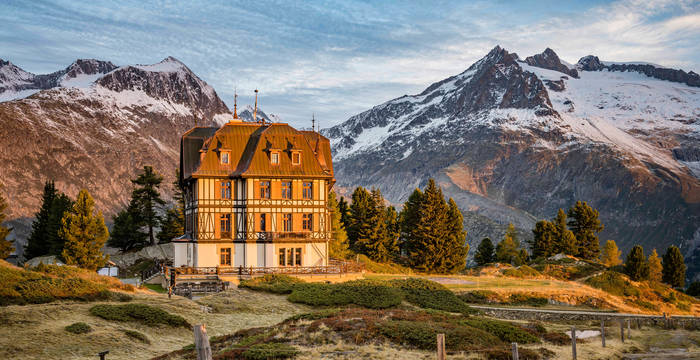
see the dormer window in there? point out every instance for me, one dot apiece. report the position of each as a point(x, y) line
point(274, 157)
point(296, 157)
point(225, 157)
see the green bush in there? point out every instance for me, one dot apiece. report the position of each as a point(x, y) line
point(557, 338)
point(274, 283)
point(367, 293)
point(528, 271)
point(137, 336)
point(504, 330)
point(522, 299)
point(431, 295)
point(613, 283)
point(145, 314)
point(272, 350)
point(477, 296)
point(314, 315)
point(506, 354)
point(513, 273)
point(78, 328)
point(422, 335)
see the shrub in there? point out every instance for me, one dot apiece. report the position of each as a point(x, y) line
point(370, 294)
point(693, 289)
point(528, 271)
point(431, 295)
point(503, 330)
point(422, 335)
point(557, 338)
point(145, 314)
point(137, 336)
point(513, 273)
point(506, 354)
point(477, 296)
point(78, 328)
point(314, 315)
point(273, 350)
point(522, 299)
point(274, 283)
point(613, 283)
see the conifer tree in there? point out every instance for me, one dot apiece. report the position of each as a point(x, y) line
point(393, 230)
point(655, 267)
point(147, 200)
point(427, 249)
point(508, 250)
point(455, 246)
point(38, 241)
point(126, 233)
point(85, 233)
point(61, 204)
point(172, 226)
point(565, 239)
point(378, 244)
point(611, 254)
point(338, 246)
point(408, 219)
point(6, 247)
point(584, 223)
point(673, 272)
point(344, 212)
point(636, 266)
point(484, 252)
point(358, 220)
point(545, 239)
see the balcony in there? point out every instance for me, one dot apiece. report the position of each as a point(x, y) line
point(289, 236)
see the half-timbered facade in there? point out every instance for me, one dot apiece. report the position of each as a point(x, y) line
point(256, 196)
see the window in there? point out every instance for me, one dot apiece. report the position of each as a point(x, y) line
point(225, 189)
point(265, 189)
point(286, 189)
point(263, 222)
point(287, 222)
point(225, 225)
point(296, 158)
point(274, 158)
point(226, 256)
point(307, 190)
point(290, 257)
point(225, 157)
point(307, 222)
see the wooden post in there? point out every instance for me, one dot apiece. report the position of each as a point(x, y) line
point(629, 332)
point(602, 331)
point(573, 342)
point(622, 331)
point(441, 346)
point(515, 350)
point(201, 341)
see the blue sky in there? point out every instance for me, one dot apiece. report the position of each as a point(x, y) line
point(338, 58)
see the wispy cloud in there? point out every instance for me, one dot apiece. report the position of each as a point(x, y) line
point(336, 58)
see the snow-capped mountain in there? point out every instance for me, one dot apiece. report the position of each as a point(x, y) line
point(94, 125)
point(514, 140)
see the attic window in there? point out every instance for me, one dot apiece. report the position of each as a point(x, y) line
point(296, 157)
point(274, 157)
point(225, 157)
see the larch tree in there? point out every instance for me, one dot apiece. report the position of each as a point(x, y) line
point(565, 238)
point(611, 254)
point(655, 267)
point(147, 200)
point(636, 266)
point(508, 250)
point(393, 231)
point(338, 246)
point(544, 239)
point(85, 233)
point(584, 223)
point(6, 247)
point(673, 272)
point(484, 252)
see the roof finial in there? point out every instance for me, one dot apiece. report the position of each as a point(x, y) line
point(313, 121)
point(255, 112)
point(235, 104)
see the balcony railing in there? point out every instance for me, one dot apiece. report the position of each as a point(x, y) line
point(335, 267)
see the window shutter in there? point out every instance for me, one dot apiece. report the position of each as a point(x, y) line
point(217, 189)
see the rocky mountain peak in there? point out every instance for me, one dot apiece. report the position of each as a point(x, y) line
point(548, 59)
point(88, 67)
point(590, 63)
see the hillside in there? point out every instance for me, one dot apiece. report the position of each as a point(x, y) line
point(514, 140)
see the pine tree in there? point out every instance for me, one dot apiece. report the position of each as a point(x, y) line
point(508, 250)
point(456, 249)
point(673, 272)
point(126, 233)
point(61, 204)
point(338, 246)
point(565, 239)
point(427, 250)
point(358, 221)
point(147, 199)
point(584, 223)
point(344, 212)
point(484, 253)
point(172, 226)
point(655, 267)
point(408, 220)
point(38, 241)
point(6, 247)
point(85, 233)
point(378, 243)
point(611, 254)
point(545, 239)
point(393, 231)
point(636, 266)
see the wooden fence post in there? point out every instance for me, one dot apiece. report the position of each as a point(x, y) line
point(622, 331)
point(573, 342)
point(515, 350)
point(201, 341)
point(441, 346)
point(602, 331)
point(629, 332)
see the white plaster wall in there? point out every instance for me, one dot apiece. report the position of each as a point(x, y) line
point(207, 255)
